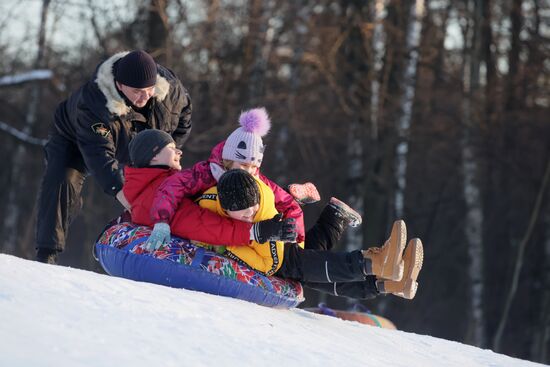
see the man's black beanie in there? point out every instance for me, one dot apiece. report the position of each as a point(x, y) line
point(146, 145)
point(238, 190)
point(137, 70)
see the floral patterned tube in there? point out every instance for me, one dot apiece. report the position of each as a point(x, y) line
point(182, 264)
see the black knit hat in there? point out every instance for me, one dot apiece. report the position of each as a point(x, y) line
point(146, 145)
point(137, 70)
point(238, 190)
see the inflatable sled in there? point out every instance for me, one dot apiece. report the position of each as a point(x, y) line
point(181, 264)
point(360, 315)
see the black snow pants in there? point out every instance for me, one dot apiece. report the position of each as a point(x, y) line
point(59, 198)
point(326, 232)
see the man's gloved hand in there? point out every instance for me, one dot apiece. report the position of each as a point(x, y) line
point(160, 235)
point(274, 229)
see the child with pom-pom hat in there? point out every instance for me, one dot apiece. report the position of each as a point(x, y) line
point(243, 149)
point(245, 145)
point(159, 192)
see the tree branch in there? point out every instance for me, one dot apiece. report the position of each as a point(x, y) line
point(21, 135)
point(29, 76)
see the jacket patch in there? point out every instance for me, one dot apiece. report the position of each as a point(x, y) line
point(209, 197)
point(101, 129)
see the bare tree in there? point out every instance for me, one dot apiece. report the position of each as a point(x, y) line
point(354, 71)
point(13, 208)
point(472, 193)
point(158, 32)
point(256, 51)
point(404, 124)
point(378, 44)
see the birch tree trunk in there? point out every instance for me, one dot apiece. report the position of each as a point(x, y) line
point(473, 223)
point(380, 183)
point(404, 124)
point(13, 212)
point(370, 156)
point(378, 43)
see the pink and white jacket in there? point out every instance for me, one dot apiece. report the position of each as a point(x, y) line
point(191, 182)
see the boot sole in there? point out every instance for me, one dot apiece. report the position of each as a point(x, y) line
point(418, 256)
point(354, 217)
point(411, 285)
point(400, 230)
point(306, 193)
point(408, 286)
point(409, 289)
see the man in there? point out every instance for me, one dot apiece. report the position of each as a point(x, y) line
point(91, 132)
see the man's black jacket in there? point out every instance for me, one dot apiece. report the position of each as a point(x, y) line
point(98, 119)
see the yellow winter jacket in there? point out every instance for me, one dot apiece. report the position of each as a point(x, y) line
point(264, 257)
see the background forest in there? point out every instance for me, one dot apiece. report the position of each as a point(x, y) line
point(434, 111)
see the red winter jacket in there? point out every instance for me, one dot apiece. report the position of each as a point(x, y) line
point(193, 181)
point(189, 221)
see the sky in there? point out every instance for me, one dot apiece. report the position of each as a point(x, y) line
point(59, 316)
point(68, 24)
point(69, 21)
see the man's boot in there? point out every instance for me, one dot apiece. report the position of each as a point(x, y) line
point(304, 193)
point(387, 261)
point(406, 287)
point(350, 216)
point(46, 255)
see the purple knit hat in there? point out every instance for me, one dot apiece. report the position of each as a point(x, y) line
point(245, 143)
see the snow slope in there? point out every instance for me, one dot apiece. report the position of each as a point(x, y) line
point(58, 316)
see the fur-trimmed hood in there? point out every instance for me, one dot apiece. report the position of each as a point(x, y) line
point(105, 80)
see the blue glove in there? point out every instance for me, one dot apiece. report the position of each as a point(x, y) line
point(158, 237)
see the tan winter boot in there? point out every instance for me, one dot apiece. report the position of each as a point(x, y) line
point(406, 287)
point(387, 261)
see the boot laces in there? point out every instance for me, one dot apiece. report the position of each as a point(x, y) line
point(374, 250)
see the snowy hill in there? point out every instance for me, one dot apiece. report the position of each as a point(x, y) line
point(58, 316)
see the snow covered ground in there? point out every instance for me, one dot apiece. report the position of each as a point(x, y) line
point(58, 316)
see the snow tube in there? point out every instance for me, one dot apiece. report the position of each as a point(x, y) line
point(358, 314)
point(181, 264)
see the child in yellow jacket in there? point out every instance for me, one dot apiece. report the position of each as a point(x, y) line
point(264, 257)
point(356, 274)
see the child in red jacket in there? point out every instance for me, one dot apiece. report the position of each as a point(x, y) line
point(244, 150)
point(155, 158)
point(359, 274)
